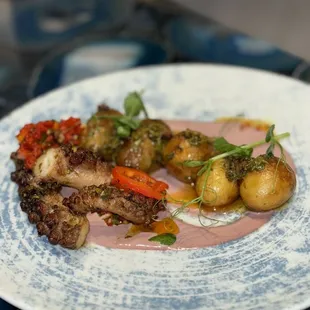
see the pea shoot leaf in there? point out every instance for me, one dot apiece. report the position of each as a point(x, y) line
point(123, 131)
point(133, 105)
point(130, 122)
point(223, 146)
point(165, 239)
point(125, 124)
point(270, 149)
point(270, 133)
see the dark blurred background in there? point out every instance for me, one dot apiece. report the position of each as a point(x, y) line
point(45, 44)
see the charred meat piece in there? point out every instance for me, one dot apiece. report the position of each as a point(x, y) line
point(19, 163)
point(22, 177)
point(52, 218)
point(72, 168)
point(43, 204)
point(143, 150)
point(132, 206)
point(100, 134)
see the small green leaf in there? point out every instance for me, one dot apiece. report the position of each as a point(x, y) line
point(270, 133)
point(223, 146)
point(130, 122)
point(247, 152)
point(123, 131)
point(165, 239)
point(133, 104)
point(193, 163)
point(270, 150)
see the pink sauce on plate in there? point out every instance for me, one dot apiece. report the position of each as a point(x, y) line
point(190, 236)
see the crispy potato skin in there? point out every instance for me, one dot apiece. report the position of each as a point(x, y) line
point(219, 190)
point(143, 150)
point(269, 188)
point(158, 128)
point(137, 155)
point(100, 134)
point(186, 145)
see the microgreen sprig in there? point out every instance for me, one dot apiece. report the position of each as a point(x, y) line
point(227, 149)
point(133, 105)
point(125, 124)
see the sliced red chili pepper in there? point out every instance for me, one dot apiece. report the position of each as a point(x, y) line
point(138, 181)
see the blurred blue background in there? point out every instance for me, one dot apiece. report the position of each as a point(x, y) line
point(45, 44)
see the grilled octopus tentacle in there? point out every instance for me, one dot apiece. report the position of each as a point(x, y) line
point(75, 169)
point(132, 206)
point(43, 204)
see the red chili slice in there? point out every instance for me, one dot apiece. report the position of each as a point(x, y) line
point(138, 181)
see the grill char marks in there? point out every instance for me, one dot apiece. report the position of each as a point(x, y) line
point(132, 206)
point(63, 220)
point(42, 202)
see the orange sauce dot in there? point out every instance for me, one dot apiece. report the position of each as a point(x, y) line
point(185, 194)
point(166, 225)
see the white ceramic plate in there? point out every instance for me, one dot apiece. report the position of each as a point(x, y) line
point(268, 269)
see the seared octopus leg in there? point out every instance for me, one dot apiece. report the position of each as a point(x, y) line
point(43, 205)
point(75, 169)
point(132, 206)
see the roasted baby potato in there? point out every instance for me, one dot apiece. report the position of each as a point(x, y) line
point(270, 187)
point(100, 134)
point(219, 191)
point(186, 145)
point(143, 150)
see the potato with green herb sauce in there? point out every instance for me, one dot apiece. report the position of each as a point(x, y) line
point(143, 150)
point(100, 134)
point(219, 190)
point(184, 146)
point(270, 187)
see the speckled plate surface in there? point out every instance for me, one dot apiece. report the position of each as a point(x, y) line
point(268, 269)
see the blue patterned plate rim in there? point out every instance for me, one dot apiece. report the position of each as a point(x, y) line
point(266, 269)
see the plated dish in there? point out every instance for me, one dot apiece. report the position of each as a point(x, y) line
point(108, 162)
point(263, 267)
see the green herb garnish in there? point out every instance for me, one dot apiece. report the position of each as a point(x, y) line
point(270, 133)
point(125, 124)
point(223, 146)
point(270, 149)
point(123, 131)
point(270, 138)
point(246, 150)
point(165, 239)
point(128, 121)
point(133, 105)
